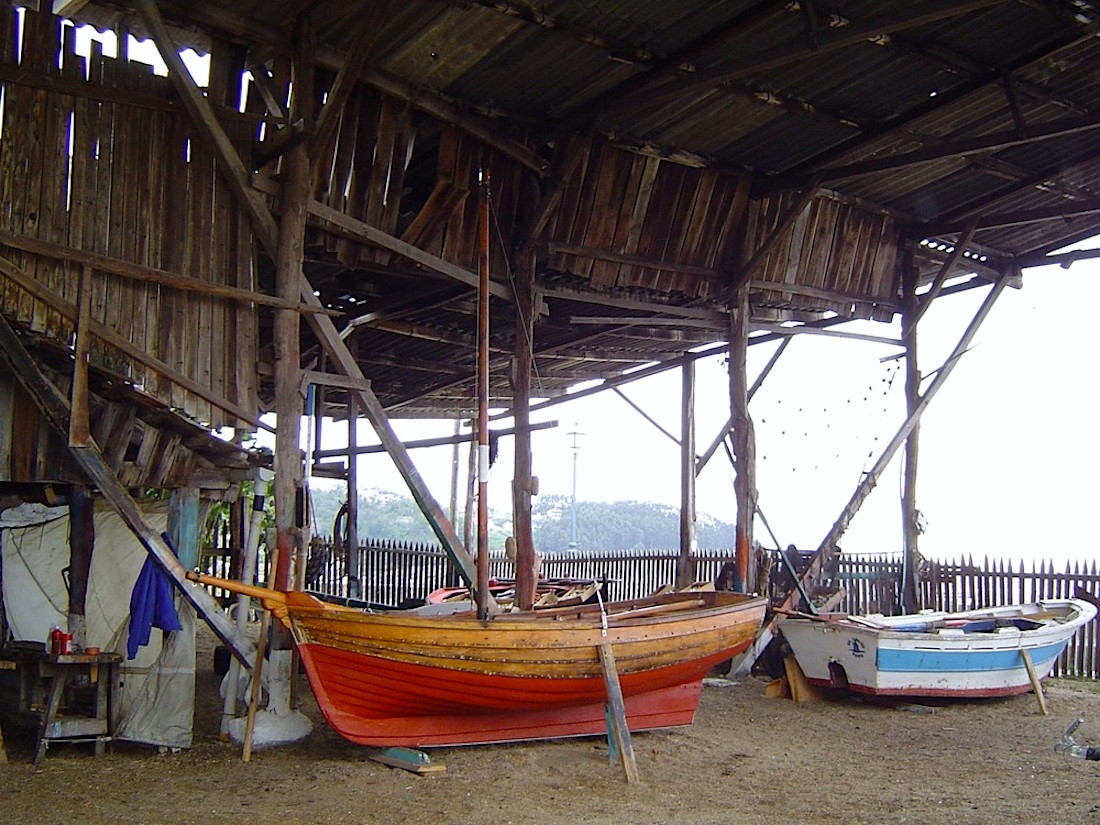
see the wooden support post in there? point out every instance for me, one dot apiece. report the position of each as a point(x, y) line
point(355, 581)
point(619, 731)
point(744, 434)
point(288, 275)
point(271, 236)
point(522, 481)
point(910, 314)
point(1036, 685)
point(81, 546)
point(685, 564)
point(183, 525)
point(727, 428)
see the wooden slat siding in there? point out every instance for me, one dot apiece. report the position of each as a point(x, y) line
point(560, 225)
point(585, 204)
point(653, 239)
point(633, 219)
point(383, 163)
point(200, 347)
point(347, 135)
point(692, 221)
point(404, 136)
point(41, 41)
point(616, 184)
point(356, 152)
point(359, 191)
point(678, 196)
point(459, 239)
point(12, 156)
point(822, 240)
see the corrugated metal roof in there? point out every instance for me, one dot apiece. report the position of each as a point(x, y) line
point(902, 89)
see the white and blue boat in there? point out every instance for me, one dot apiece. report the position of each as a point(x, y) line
point(977, 653)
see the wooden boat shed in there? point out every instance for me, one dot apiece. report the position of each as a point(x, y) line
point(668, 180)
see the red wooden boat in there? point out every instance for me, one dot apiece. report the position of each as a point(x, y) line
point(403, 678)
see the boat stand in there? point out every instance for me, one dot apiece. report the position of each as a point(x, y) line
point(618, 733)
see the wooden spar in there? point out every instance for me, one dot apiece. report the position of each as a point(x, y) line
point(828, 546)
point(482, 593)
point(1033, 677)
point(685, 567)
point(55, 409)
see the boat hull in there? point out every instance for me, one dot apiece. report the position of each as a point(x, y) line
point(407, 680)
point(936, 655)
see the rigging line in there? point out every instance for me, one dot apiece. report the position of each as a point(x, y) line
point(528, 329)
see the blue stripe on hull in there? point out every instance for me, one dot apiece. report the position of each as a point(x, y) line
point(956, 661)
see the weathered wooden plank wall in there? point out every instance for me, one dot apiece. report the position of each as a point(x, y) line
point(834, 250)
point(621, 204)
point(81, 169)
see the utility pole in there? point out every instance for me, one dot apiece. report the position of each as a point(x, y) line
point(573, 507)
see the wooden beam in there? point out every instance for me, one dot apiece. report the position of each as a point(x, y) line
point(148, 274)
point(55, 409)
point(831, 295)
point(108, 335)
point(629, 260)
point(940, 151)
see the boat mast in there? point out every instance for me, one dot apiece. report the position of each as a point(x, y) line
point(482, 593)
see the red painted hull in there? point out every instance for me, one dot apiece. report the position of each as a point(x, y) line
point(398, 680)
point(667, 707)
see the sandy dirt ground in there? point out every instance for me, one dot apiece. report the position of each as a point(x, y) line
point(747, 759)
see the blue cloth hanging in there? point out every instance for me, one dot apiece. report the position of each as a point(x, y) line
point(151, 605)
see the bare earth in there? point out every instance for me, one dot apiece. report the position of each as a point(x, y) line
point(747, 759)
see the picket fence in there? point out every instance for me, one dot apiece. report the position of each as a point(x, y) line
point(399, 574)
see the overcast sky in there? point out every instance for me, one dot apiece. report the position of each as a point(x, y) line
point(1009, 452)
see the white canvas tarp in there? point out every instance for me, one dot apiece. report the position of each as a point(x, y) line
point(157, 697)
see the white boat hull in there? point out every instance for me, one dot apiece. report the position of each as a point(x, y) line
point(971, 654)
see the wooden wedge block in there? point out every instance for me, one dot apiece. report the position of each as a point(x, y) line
point(801, 690)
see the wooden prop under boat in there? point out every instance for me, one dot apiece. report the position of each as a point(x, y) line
point(400, 678)
point(976, 653)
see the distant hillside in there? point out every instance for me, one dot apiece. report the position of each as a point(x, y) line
point(619, 526)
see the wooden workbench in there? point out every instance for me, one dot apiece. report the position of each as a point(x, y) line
point(69, 697)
